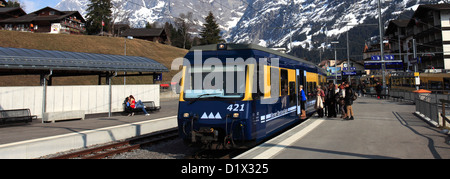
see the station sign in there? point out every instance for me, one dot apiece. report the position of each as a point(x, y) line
point(395, 65)
point(351, 69)
point(389, 57)
point(157, 77)
point(390, 64)
point(386, 57)
point(349, 73)
point(376, 58)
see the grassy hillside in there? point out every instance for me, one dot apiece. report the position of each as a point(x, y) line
point(164, 54)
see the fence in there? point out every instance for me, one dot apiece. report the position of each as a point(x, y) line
point(429, 105)
point(404, 95)
point(444, 116)
point(428, 109)
point(92, 99)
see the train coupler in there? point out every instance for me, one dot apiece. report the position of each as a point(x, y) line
point(205, 135)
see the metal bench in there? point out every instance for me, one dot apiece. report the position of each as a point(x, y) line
point(16, 115)
point(151, 105)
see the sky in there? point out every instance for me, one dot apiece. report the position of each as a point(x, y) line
point(34, 5)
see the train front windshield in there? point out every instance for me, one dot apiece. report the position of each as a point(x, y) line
point(217, 82)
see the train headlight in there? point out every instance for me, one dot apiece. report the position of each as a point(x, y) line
point(235, 115)
point(186, 115)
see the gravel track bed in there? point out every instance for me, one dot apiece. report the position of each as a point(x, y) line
point(173, 149)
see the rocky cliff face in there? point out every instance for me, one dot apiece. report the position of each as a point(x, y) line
point(139, 12)
point(271, 23)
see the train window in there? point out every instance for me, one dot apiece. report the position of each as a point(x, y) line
point(423, 84)
point(260, 88)
point(435, 85)
point(217, 82)
point(446, 83)
point(292, 95)
point(284, 82)
point(310, 89)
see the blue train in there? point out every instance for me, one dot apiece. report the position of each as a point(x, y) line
point(239, 94)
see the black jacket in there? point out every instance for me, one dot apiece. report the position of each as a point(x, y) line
point(349, 93)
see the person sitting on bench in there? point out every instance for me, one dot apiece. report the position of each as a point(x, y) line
point(139, 104)
point(128, 108)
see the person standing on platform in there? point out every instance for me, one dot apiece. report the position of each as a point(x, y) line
point(325, 100)
point(378, 88)
point(331, 93)
point(349, 102)
point(320, 95)
point(341, 100)
point(302, 102)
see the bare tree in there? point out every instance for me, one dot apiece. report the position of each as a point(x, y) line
point(184, 24)
point(119, 13)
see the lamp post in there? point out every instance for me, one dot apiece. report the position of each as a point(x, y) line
point(335, 61)
point(383, 64)
point(125, 73)
point(348, 60)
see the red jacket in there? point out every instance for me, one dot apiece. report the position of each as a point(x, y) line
point(133, 104)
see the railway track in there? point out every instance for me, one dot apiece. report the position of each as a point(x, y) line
point(122, 147)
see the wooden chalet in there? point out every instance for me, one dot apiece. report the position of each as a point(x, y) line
point(47, 20)
point(154, 34)
point(11, 12)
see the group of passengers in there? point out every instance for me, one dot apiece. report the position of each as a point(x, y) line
point(132, 104)
point(334, 99)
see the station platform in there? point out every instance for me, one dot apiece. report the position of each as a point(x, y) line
point(38, 139)
point(382, 129)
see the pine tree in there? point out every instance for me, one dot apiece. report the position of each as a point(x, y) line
point(210, 33)
point(13, 4)
point(98, 11)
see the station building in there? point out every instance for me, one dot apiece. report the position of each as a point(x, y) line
point(430, 27)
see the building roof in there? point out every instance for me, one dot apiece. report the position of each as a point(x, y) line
point(31, 59)
point(34, 16)
point(422, 9)
point(436, 6)
point(143, 32)
point(396, 23)
point(9, 9)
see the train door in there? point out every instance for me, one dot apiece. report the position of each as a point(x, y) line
point(301, 80)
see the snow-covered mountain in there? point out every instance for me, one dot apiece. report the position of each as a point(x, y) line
point(139, 12)
point(73, 5)
point(271, 23)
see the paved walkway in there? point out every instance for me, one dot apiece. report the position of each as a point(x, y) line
point(382, 129)
point(20, 132)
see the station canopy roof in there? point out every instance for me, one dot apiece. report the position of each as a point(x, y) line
point(31, 59)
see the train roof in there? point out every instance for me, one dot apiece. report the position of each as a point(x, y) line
point(214, 47)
